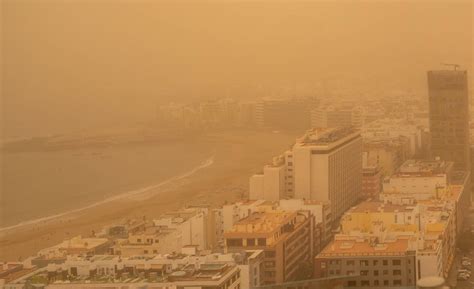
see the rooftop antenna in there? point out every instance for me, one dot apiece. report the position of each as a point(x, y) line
point(455, 66)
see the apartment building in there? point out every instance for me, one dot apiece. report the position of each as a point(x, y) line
point(389, 128)
point(284, 236)
point(386, 153)
point(368, 262)
point(319, 212)
point(189, 268)
point(322, 216)
point(371, 182)
point(76, 245)
point(421, 179)
point(204, 275)
point(193, 224)
point(431, 223)
point(269, 185)
point(169, 233)
point(324, 165)
point(449, 116)
point(327, 167)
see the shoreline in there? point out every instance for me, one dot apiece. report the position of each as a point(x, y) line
point(238, 155)
point(130, 194)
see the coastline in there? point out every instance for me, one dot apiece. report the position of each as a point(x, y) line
point(225, 178)
point(142, 193)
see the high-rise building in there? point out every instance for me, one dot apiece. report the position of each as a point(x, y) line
point(324, 165)
point(449, 116)
point(327, 166)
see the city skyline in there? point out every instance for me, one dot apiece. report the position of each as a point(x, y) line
point(236, 144)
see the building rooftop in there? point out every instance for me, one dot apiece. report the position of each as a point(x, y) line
point(326, 136)
point(79, 242)
point(426, 167)
point(376, 206)
point(361, 246)
point(263, 222)
point(210, 272)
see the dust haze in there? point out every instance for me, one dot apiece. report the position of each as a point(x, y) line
point(71, 65)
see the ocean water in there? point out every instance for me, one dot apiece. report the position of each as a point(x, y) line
point(36, 185)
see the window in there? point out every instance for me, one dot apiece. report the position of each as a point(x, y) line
point(364, 272)
point(376, 272)
point(365, 283)
point(270, 254)
point(364, 262)
point(350, 263)
point(396, 262)
point(145, 251)
point(262, 241)
point(350, 272)
point(351, 284)
point(270, 264)
point(419, 269)
point(397, 282)
point(385, 262)
point(234, 242)
point(385, 282)
point(250, 242)
point(269, 274)
point(376, 282)
point(385, 272)
point(376, 262)
point(397, 272)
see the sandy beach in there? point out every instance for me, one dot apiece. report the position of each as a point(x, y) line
point(237, 156)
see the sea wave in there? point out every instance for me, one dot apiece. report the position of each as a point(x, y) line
point(140, 194)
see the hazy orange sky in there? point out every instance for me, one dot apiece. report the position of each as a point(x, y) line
point(74, 64)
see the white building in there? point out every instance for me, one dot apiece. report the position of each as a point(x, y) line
point(190, 269)
point(233, 213)
point(327, 167)
point(191, 223)
point(420, 180)
point(271, 185)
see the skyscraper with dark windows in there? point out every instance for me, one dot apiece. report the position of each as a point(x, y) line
point(449, 116)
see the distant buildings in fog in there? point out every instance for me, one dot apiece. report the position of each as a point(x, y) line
point(298, 113)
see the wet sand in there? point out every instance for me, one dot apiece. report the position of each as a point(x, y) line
point(238, 155)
